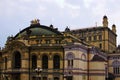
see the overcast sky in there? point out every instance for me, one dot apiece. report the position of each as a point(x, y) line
point(16, 15)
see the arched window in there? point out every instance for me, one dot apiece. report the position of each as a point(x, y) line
point(34, 61)
point(116, 67)
point(70, 58)
point(44, 62)
point(56, 62)
point(83, 57)
point(17, 60)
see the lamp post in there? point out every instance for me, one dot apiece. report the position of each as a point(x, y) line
point(106, 72)
point(38, 71)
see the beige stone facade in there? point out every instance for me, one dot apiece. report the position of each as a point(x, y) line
point(100, 36)
point(42, 52)
point(83, 63)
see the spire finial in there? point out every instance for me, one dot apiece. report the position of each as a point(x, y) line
point(104, 16)
point(95, 24)
point(105, 21)
point(114, 28)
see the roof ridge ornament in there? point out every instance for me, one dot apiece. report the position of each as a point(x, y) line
point(35, 21)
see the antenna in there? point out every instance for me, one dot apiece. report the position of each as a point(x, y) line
point(95, 24)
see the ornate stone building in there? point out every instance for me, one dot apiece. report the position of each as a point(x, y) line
point(100, 36)
point(41, 52)
point(34, 46)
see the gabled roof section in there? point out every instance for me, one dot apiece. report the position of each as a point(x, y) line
point(97, 58)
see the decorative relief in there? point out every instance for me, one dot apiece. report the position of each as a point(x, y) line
point(35, 21)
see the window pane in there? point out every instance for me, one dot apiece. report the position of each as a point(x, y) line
point(45, 62)
point(17, 60)
point(56, 61)
point(34, 61)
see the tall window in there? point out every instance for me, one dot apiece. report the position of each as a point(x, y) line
point(5, 62)
point(95, 38)
point(89, 38)
point(100, 46)
point(17, 60)
point(70, 58)
point(44, 62)
point(34, 61)
point(85, 38)
point(56, 62)
point(70, 62)
point(116, 67)
point(100, 37)
point(116, 70)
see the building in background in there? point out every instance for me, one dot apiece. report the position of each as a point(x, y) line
point(41, 52)
point(100, 36)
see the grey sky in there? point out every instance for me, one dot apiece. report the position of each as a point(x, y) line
point(16, 15)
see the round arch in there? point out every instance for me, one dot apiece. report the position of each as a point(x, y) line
point(70, 56)
point(83, 56)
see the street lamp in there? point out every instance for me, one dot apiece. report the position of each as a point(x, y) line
point(38, 71)
point(106, 72)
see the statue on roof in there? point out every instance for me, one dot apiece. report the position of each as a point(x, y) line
point(35, 21)
point(67, 29)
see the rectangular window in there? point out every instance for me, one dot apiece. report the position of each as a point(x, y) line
point(95, 38)
point(100, 46)
point(100, 37)
point(68, 62)
point(85, 39)
point(72, 63)
point(5, 62)
point(116, 70)
point(89, 38)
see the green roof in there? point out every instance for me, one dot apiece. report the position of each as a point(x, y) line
point(38, 30)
